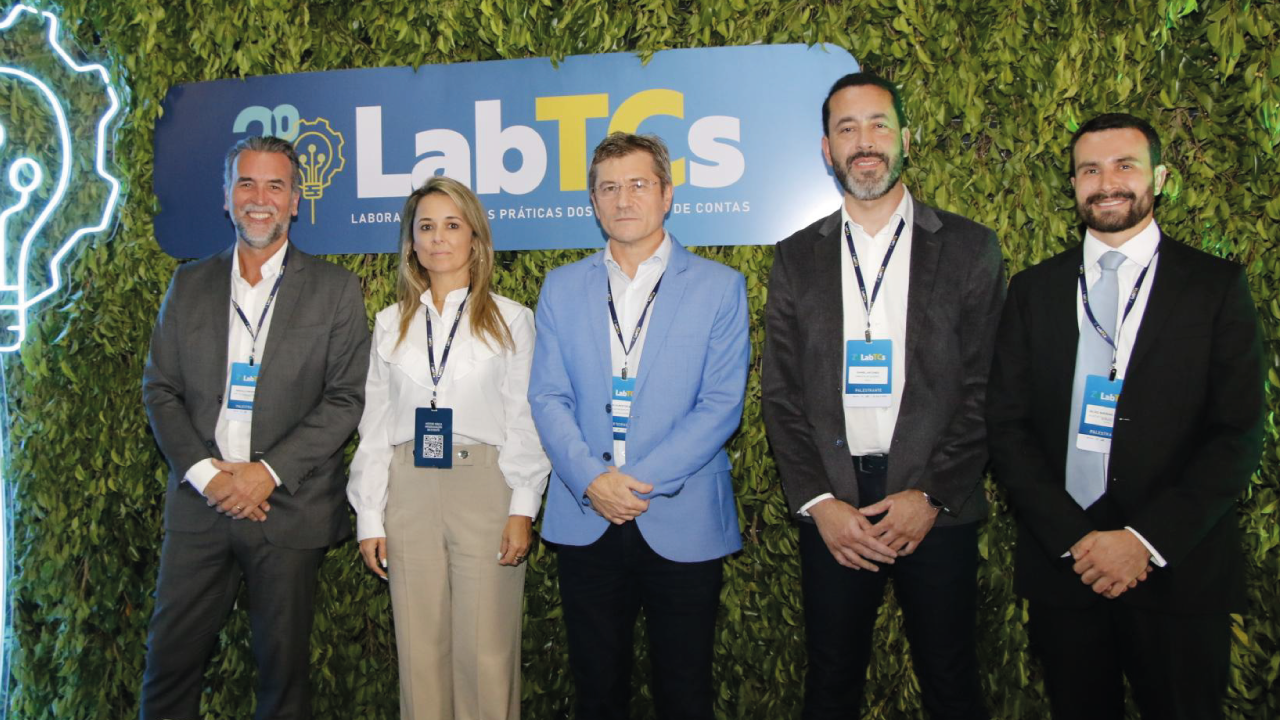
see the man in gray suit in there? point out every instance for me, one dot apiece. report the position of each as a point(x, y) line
point(875, 373)
point(254, 383)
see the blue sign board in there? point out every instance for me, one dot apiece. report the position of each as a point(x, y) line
point(743, 125)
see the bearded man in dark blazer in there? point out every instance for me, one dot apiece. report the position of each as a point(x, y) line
point(1125, 413)
point(880, 324)
point(254, 383)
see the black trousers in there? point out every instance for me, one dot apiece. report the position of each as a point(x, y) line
point(200, 576)
point(936, 586)
point(603, 587)
point(1177, 665)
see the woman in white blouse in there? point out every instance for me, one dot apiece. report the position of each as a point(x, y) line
point(450, 366)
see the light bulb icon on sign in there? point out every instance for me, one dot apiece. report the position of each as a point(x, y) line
point(320, 157)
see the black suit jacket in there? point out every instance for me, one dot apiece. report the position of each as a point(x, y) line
point(309, 398)
point(1188, 431)
point(953, 308)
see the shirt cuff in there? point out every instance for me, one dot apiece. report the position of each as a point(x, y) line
point(200, 474)
point(1156, 558)
point(369, 525)
point(804, 509)
point(271, 470)
point(525, 501)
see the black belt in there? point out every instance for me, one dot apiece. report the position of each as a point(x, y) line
point(871, 464)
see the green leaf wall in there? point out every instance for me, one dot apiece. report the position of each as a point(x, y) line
point(993, 90)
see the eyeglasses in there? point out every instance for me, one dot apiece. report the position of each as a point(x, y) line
point(639, 186)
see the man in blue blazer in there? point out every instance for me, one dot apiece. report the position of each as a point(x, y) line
point(640, 503)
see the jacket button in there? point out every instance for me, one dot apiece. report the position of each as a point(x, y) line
point(208, 443)
point(608, 408)
point(607, 457)
point(839, 443)
point(219, 400)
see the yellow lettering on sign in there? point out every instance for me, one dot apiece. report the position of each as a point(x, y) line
point(644, 105)
point(571, 113)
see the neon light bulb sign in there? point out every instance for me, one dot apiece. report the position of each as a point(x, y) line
point(42, 190)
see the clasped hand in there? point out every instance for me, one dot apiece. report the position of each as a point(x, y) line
point(1111, 562)
point(857, 543)
point(241, 490)
point(614, 496)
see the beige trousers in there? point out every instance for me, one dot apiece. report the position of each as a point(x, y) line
point(457, 611)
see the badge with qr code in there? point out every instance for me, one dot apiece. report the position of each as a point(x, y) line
point(433, 438)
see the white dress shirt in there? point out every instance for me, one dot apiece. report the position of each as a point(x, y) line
point(629, 298)
point(869, 430)
point(1139, 252)
point(487, 388)
point(233, 436)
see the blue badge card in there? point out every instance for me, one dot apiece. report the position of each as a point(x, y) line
point(1098, 413)
point(241, 391)
point(433, 438)
point(623, 391)
point(868, 373)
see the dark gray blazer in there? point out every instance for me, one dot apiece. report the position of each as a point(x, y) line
point(953, 309)
point(309, 398)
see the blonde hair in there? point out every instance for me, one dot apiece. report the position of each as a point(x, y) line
point(413, 280)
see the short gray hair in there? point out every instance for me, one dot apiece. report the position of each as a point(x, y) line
point(619, 144)
point(266, 144)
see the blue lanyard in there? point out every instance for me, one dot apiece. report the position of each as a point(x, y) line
point(253, 349)
point(1133, 297)
point(444, 357)
point(867, 304)
point(617, 327)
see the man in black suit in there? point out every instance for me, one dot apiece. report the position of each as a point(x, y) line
point(254, 383)
point(873, 386)
point(1125, 414)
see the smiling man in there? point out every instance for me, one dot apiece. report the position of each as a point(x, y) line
point(1125, 415)
point(880, 325)
point(254, 383)
point(638, 378)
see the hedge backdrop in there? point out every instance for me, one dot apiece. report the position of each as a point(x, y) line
point(993, 90)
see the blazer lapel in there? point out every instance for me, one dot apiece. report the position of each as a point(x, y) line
point(663, 313)
point(285, 302)
point(220, 313)
point(599, 326)
point(823, 308)
point(1062, 299)
point(926, 249)
point(1171, 276)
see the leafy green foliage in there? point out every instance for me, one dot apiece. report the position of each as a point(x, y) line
point(993, 90)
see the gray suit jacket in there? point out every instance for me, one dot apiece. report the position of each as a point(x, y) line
point(309, 398)
point(953, 308)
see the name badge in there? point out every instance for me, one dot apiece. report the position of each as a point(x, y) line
point(240, 393)
point(868, 373)
point(433, 438)
point(623, 391)
point(1098, 413)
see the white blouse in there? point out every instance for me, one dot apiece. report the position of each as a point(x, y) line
point(487, 389)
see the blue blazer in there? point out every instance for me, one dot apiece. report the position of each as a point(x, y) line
point(688, 402)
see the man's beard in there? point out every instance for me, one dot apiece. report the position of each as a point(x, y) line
point(867, 186)
point(1139, 208)
point(243, 232)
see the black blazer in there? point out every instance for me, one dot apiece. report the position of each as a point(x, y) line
point(309, 399)
point(953, 308)
point(1188, 431)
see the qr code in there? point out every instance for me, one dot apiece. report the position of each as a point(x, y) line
point(433, 447)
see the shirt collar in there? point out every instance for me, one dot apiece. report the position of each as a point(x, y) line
point(906, 210)
point(270, 268)
point(1138, 249)
point(660, 257)
point(453, 298)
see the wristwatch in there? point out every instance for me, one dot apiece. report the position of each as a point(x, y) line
point(934, 502)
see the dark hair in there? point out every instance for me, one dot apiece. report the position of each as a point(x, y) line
point(620, 144)
point(1117, 121)
point(266, 144)
point(859, 79)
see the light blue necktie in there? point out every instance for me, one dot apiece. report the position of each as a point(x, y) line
point(1086, 471)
